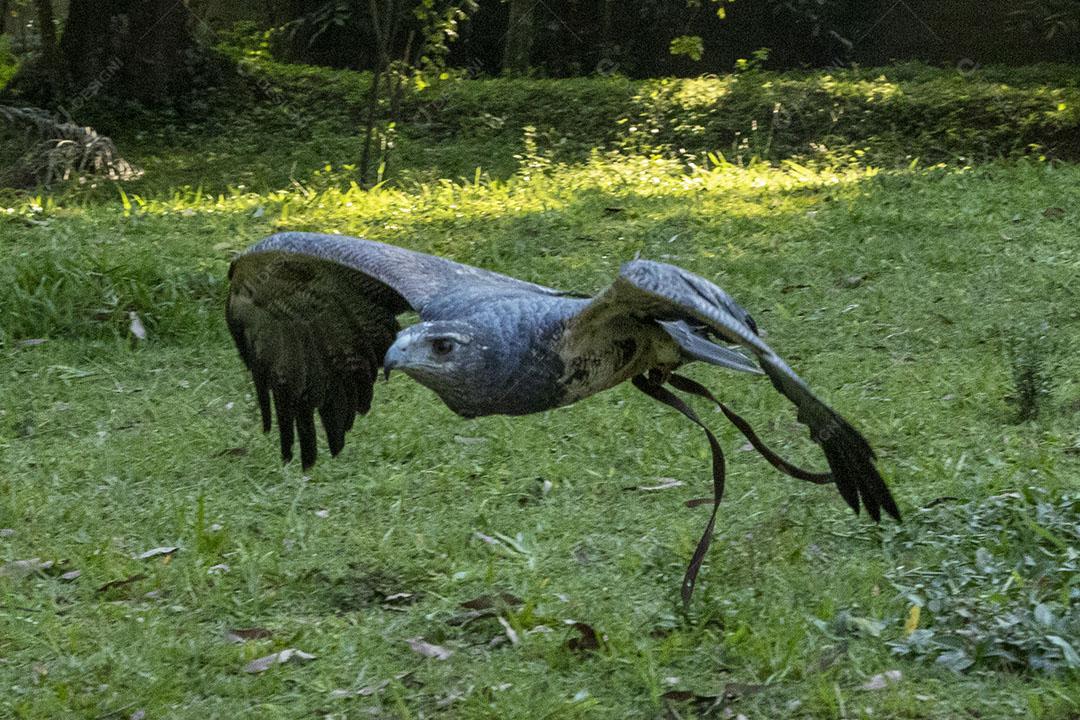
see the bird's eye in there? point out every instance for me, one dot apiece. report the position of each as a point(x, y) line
point(442, 346)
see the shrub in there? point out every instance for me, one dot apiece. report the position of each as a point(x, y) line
point(1001, 588)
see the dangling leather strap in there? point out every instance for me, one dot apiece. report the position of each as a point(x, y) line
point(652, 386)
point(685, 384)
point(658, 392)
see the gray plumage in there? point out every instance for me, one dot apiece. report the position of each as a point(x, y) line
point(315, 317)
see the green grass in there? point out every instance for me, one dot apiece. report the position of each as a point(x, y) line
point(111, 446)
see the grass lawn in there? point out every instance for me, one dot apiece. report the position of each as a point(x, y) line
point(916, 301)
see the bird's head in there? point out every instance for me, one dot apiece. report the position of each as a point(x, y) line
point(449, 357)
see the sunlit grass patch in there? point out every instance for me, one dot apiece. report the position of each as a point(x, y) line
point(124, 255)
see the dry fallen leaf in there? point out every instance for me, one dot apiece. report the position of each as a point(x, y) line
point(232, 452)
point(399, 598)
point(265, 663)
point(240, 635)
point(663, 484)
point(485, 606)
point(487, 602)
point(1054, 213)
point(706, 704)
point(362, 692)
point(120, 583)
point(511, 633)
point(734, 691)
point(17, 569)
point(71, 575)
point(451, 697)
point(136, 325)
point(485, 538)
point(912, 622)
point(588, 640)
point(157, 552)
point(883, 680)
point(39, 670)
point(852, 281)
point(423, 647)
point(467, 617)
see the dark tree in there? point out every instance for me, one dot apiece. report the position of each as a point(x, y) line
point(519, 36)
point(144, 48)
point(47, 29)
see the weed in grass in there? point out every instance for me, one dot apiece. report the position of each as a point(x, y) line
point(1030, 375)
point(999, 582)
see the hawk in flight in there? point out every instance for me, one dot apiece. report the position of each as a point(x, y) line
point(315, 318)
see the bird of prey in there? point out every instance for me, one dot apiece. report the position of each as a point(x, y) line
point(315, 317)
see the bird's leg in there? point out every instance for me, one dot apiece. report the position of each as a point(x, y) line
point(685, 384)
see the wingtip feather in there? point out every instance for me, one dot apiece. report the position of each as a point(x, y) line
point(851, 460)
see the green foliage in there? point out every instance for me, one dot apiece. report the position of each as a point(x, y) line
point(895, 115)
point(885, 117)
point(1050, 17)
point(721, 6)
point(9, 64)
point(1001, 586)
point(689, 45)
point(756, 61)
point(439, 21)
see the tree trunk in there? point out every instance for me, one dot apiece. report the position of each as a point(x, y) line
point(50, 53)
point(4, 10)
point(519, 37)
point(131, 49)
point(386, 21)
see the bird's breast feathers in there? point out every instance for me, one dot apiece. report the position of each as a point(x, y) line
point(605, 356)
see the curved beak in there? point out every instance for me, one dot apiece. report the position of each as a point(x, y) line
point(395, 357)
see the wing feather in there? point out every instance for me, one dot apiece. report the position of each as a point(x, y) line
point(647, 289)
point(312, 316)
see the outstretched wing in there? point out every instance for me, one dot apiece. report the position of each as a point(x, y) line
point(661, 292)
point(313, 315)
